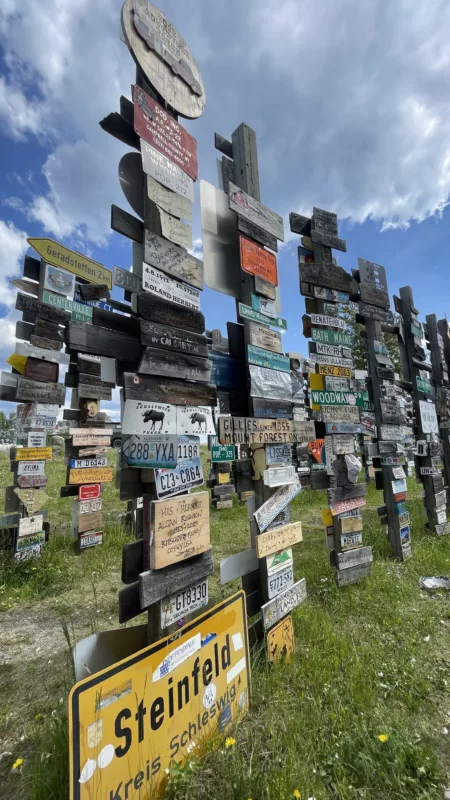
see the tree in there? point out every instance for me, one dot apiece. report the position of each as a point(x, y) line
point(348, 312)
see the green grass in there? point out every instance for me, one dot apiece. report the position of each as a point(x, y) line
point(370, 659)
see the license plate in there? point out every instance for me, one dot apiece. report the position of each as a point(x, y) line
point(184, 602)
point(280, 581)
point(173, 481)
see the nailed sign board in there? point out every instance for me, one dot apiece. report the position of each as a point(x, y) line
point(174, 260)
point(195, 420)
point(184, 602)
point(147, 451)
point(153, 124)
point(33, 499)
point(169, 201)
point(266, 513)
point(265, 358)
point(331, 322)
point(338, 372)
point(428, 417)
point(91, 521)
point(58, 280)
point(270, 383)
point(339, 413)
point(280, 640)
point(31, 468)
point(36, 439)
point(180, 233)
point(86, 506)
point(90, 539)
point(144, 417)
point(94, 392)
point(279, 560)
point(89, 492)
point(257, 261)
point(329, 350)
point(278, 454)
point(346, 505)
point(34, 454)
point(127, 280)
point(332, 337)
point(174, 365)
point(255, 316)
point(361, 555)
point(210, 678)
point(222, 452)
point(25, 481)
point(59, 256)
point(29, 525)
point(279, 581)
point(332, 361)
point(281, 605)
point(278, 539)
point(278, 476)
point(99, 475)
point(253, 211)
point(159, 167)
point(157, 282)
point(39, 391)
point(328, 275)
point(180, 528)
point(378, 314)
point(187, 473)
point(80, 312)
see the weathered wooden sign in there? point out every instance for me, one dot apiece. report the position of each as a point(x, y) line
point(32, 499)
point(163, 390)
point(153, 124)
point(440, 499)
point(161, 312)
point(99, 475)
point(255, 316)
point(253, 211)
point(147, 451)
point(94, 392)
point(278, 539)
point(174, 365)
point(40, 391)
point(187, 473)
point(327, 275)
point(351, 524)
point(39, 370)
point(281, 605)
point(378, 314)
point(25, 349)
point(278, 454)
point(428, 417)
point(168, 338)
point(266, 513)
point(272, 408)
point(45, 342)
point(91, 521)
point(260, 336)
point(323, 336)
point(30, 305)
point(168, 200)
point(180, 529)
point(60, 256)
point(158, 166)
point(392, 433)
point(339, 413)
point(356, 556)
point(257, 261)
point(278, 476)
point(172, 259)
point(93, 433)
point(26, 481)
point(33, 454)
point(29, 525)
point(343, 444)
point(157, 282)
point(184, 602)
point(270, 383)
point(279, 560)
point(127, 280)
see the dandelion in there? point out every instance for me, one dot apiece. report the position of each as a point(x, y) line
point(18, 763)
point(230, 742)
point(297, 794)
point(383, 737)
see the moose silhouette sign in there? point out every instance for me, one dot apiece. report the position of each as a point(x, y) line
point(143, 417)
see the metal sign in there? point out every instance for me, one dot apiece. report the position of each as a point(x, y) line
point(157, 166)
point(60, 256)
point(172, 259)
point(424, 386)
point(157, 282)
point(343, 427)
point(255, 316)
point(84, 463)
point(283, 604)
point(88, 506)
point(222, 452)
point(253, 211)
point(150, 452)
point(270, 383)
point(31, 468)
point(280, 454)
point(220, 243)
point(257, 261)
point(428, 417)
point(279, 581)
point(339, 372)
point(58, 280)
point(266, 358)
point(29, 525)
point(332, 322)
point(180, 529)
point(34, 454)
point(90, 492)
point(164, 57)
point(153, 124)
point(144, 417)
point(90, 539)
point(28, 350)
point(187, 473)
point(264, 306)
point(36, 438)
point(339, 413)
point(179, 604)
point(278, 476)
point(333, 398)
point(266, 513)
point(340, 506)
point(209, 677)
point(280, 640)
point(195, 420)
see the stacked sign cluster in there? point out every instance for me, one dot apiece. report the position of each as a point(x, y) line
point(335, 399)
point(220, 476)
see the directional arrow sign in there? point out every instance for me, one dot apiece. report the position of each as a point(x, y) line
point(77, 264)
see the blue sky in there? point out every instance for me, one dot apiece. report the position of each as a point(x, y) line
point(349, 101)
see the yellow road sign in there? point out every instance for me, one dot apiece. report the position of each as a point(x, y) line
point(34, 454)
point(280, 640)
point(129, 721)
point(92, 475)
point(77, 264)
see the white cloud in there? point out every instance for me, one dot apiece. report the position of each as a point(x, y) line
point(13, 246)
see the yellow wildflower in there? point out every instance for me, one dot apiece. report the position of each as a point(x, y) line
point(230, 741)
point(297, 794)
point(383, 737)
point(18, 763)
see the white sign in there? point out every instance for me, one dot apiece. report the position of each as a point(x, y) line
point(86, 463)
point(59, 281)
point(195, 420)
point(270, 383)
point(336, 384)
point(332, 322)
point(428, 417)
point(170, 201)
point(280, 581)
point(184, 602)
point(166, 172)
point(398, 473)
point(108, 369)
point(328, 349)
point(278, 476)
point(340, 413)
point(29, 525)
point(278, 454)
point(142, 416)
point(86, 506)
point(331, 361)
point(343, 444)
point(157, 282)
point(36, 439)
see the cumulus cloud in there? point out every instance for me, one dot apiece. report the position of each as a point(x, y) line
point(13, 246)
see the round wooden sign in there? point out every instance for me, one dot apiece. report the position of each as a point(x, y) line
point(132, 181)
point(164, 57)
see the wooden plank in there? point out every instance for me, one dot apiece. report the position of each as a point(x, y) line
point(126, 280)
point(158, 283)
point(41, 341)
point(132, 561)
point(180, 529)
point(173, 260)
point(129, 226)
point(255, 260)
point(115, 322)
point(38, 370)
point(150, 452)
point(94, 392)
point(90, 522)
point(91, 292)
point(101, 341)
point(352, 575)
point(175, 365)
point(154, 585)
point(32, 306)
point(161, 311)
point(26, 286)
point(166, 172)
point(28, 390)
point(164, 224)
point(168, 200)
point(168, 391)
point(129, 603)
point(327, 240)
point(285, 602)
point(238, 565)
point(76, 263)
point(156, 335)
point(377, 314)
point(99, 475)
point(278, 539)
point(48, 329)
point(272, 408)
point(252, 210)
point(351, 524)
point(258, 234)
point(259, 336)
point(117, 126)
point(347, 492)
point(328, 275)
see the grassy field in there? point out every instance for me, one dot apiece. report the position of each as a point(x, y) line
point(371, 661)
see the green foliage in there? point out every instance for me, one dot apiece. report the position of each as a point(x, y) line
point(348, 312)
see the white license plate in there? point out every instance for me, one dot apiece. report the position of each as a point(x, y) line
point(280, 581)
point(184, 602)
point(185, 475)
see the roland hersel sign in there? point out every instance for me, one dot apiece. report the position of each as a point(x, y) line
point(128, 722)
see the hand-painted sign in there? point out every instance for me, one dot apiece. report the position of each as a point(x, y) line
point(338, 413)
point(210, 678)
point(281, 605)
point(255, 316)
point(257, 261)
point(378, 314)
point(428, 417)
point(29, 525)
point(266, 513)
point(173, 229)
point(280, 454)
point(59, 256)
point(184, 602)
point(36, 439)
point(252, 210)
point(34, 454)
point(27, 481)
point(356, 556)
point(38, 391)
point(172, 259)
point(265, 358)
point(158, 166)
point(157, 282)
point(89, 492)
point(150, 452)
point(343, 444)
point(91, 521)
point(100, 475)
point(174, 365)
point(153, 124)
point(195, 420)
point(278, 539)
point(222, 452)
point(187, 473)
point(180, 528)
point(169, 201)
point(261, 336)
point(270, 383)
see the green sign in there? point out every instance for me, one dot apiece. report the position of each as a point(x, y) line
point(323, 397)
point(325, 336)
point(424, 386)
point(265, 358)
point(416, 331)
point(80, 312)
point(363, 402)
point(248, 313)
point(222, 452)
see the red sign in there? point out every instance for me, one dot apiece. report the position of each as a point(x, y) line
point(400, 496)
point(153, 124)
point(257, 261)
point(89, 491)
point(316, 449)
point(26, 481)
point(346, 505)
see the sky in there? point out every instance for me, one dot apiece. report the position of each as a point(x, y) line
point(350, 103)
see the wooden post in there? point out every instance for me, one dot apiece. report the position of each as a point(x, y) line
point(437, 334)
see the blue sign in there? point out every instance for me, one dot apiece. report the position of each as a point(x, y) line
point(188, 472)
point(93, 303)
point(227, 372)
point(265, 358)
